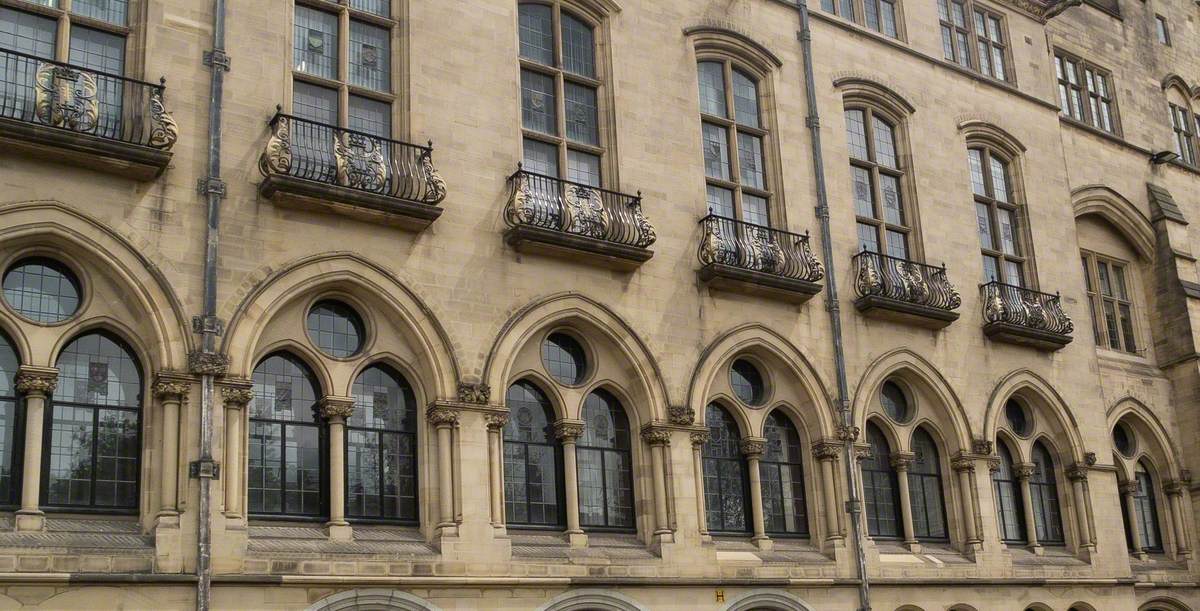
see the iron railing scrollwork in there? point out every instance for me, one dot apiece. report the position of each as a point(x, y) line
point(44, 92)
point(347, 158)
point(552, 203)
point(1005, 303)
point(758, 248)
point(881, 275)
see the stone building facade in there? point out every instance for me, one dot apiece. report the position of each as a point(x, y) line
point(529, 304)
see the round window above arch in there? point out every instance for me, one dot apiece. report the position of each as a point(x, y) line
point(1019, 418)
point(895, 402)
point(564, 358)
point(1124, 440)
point(42, 290)
point(747, 382)
point(336, 328)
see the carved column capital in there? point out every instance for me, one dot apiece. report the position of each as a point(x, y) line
point(863, 452)
point(496, 421)
point(337, 407)
point(37, 381)
point(1024, 470)
point(902, 461)
point(237, 395)
point(982, 446)
point(699, 438)
point(848, 434)
point(681, 415)
point(171, 387)
point(826, 450)
point(962, 463)
point(656, 436)
point(568, 430)
point(1173, 487)
point(993, 463)
point(441, 416)
point(753, 447)
point(1128, 487)
point(1077, 472)
point(476, 393)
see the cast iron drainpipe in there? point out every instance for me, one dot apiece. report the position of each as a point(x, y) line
point(853, 504)
point(208, 325)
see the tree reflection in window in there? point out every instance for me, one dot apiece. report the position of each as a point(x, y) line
point(879, 487)
point(784, 511)
point(1043, 491)
point(604, 460)
point(381, 448)
point(287, 466)
point(9, 363)
point(725, 476)
point(925, 489)
point(532, 461)
point(1009, 506)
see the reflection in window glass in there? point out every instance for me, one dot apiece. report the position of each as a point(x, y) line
point(605, 464)
point(42, 290)
point(286, 441)
point(726, 497)
point(381, 452)
point(532, 462)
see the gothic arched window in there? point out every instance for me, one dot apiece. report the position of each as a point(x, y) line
point(1009, 506)
point(880, 491)
point(726, 492)
point(287, 440)
point(381, 448)
point(925, 489)
point(94, 450)
point(1043, 492)
point(784, 510)
point(533, 471)
point(604, 464)
point(1147, 514)
point(9, 363)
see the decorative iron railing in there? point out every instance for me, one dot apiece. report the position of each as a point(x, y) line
point(356, 160)
point(880, 275)
point(1005, 303)
point(537, 200)
point(43, 92)
point(757, 248)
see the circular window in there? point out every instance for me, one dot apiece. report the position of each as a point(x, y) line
point(42, 290)
point(747, 382)
point(895, 402)
point(335, 328)
point(564, 358)
point(1018, 418)
point(1124, 440)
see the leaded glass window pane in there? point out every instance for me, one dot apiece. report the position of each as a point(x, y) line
point(381, 477)
point(286, 440)
point(716, 151)
point(532, 462)
point(582, 112)
point(9, 362)
point(376, 7)
point(925, 489)
point(27, 33)
point(879, 487)
point(583, 168)
point(750, 156)
point(1147, 513)
point(42, 290)
point(538, 106)
point(745, 99)
point(720, 201)
point(856, 134)
point(537, 33)
point(110, 11)
point(725, 494)
point(370, 56)
point(316, 42)
point(784, 509)
point(1043, 491)
point(604, 464)
point(579, 47)
point(712, 88)
point(1010, 510)
point(540, 158)
point(370, 116)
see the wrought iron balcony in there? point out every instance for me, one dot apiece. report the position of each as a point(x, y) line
point(1025, 316)
point(559, 217)
point(755, 259)
point(902, 290)
point(313, 165)
point(104, 121)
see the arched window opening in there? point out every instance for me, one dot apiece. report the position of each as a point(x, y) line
point(726, 480)
point(10, 362)
point(605, 465)
point(784, 509)
point(533, 471)
point(1043, 492)
point(925, 489)
point(998, 216)
point(94, 427)
point(1144, 501)
point(880, 490)
point(1009, 505)
point(287, 441)
point(381, 448)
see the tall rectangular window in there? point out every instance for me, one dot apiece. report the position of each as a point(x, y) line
point(997, 214)
point(1181, 124)
point(975, 38)
point(1085, 92)
point(1162, 29)
point(733, 136)
point(1106, 281)
point(879, 15)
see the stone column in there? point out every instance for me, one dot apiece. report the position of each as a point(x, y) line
point(567, 432)
point(826, 454)
point(965, 468)
point(1175, 490)
point(36, 384)
point(171, 391)
point(901, 462)
point(1077, 474)
point(495, 427)
point(1024, 471)
point(753, 448)
point(1128, 493)
point(659, 440)
point(235, 396)
point(443, 420)
point(698, 438)
point(337, 410)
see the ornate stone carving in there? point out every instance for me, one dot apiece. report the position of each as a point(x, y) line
point(982, 446)
point(163, 129)
point(1128, 487)
point(441, 416)
point(847, 434)
point(360, 162)
point(36, 383)
point(337, 407)
point(1185, 476)
point(171, 388)
point(66, 97)
point(1173, 486)
point(1077, 472)
point(568, 430)
point(277, 157)
point(901, 461)
point(434, 183)
point(207, 363)
point(753, 448)
point(681, 415)
point(236, 397)
point(1024, 470)
point(1089, 458)
point(476, 393)
point(863, 452)
point(496, 421)
point(699, 438)
point(993, 463)
point(962, 463)
point(826, 450)
point(656, 437)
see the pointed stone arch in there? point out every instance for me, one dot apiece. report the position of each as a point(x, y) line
point(954, 426)
point(591, 600)
point(1041, 396)
point(1154, 441)
point(768, 600)
point(382, 599)
point(1118, 212)
point(262, 300)
point(869, 90)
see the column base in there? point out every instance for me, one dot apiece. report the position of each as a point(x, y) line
point(913, 546)
point(763, 543)
point(662, 537)
point(577, 538)
point(166, 513)
point(1036, 549)
point(447, 529)
point(30, 520)
point(340, 531)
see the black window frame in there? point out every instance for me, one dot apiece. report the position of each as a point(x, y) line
point(17, 444)
point(921, 472)
point(728, 424)
point(1004, 476)
point(413, 422)
point(1043, 487)
point(559, 471)
point(616, 408)
point(878, 466)
point(767, 464)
